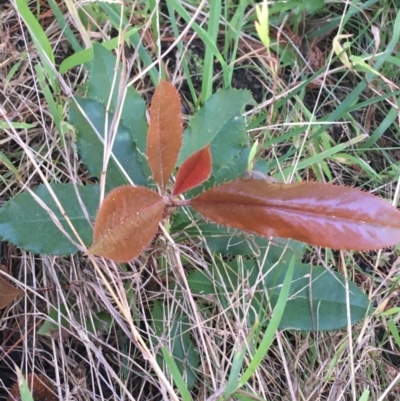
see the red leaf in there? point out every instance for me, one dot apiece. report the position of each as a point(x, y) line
point(164, 138)
point(320, 214)
point(194, 171)
point(126, 223)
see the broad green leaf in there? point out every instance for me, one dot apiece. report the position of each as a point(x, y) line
point(126, 223)
point(164, 138)
point(133, 116)
point(91, 147)
point(236, 168)
point(220, 124)
point(173, 332)
point(317, 299)
point(27, 225)
point(320, 214)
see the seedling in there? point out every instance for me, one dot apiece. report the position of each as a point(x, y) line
point(320, 214)
point(213, 179)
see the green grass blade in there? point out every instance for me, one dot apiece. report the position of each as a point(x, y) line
point(365, 395)
point(6, 125)
point(8, 163)
point(233, 30)
point(272, 327)
point(56, 111)
point(320, 156)
point(40, 40)
point(85, 56)
point(73, 41)
point(176, 375)
point(213, 25)
point(26, 395)
point(185, 66)
point(114, 12)
point(205, 37)
point(342, 109)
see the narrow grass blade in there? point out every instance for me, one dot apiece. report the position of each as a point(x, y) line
point(73, 41)
point(213, 25)
point(114, 12)
point(26, 395)
point(7, 162)
point(40, 40)
point(342, 109)
point(237, 365)
point(85, 56)
point(320, 156)
point(16, 125)
point(365, 395)
point(176, 375)
point(55, 109)
point(272, 327)
point(205, 37)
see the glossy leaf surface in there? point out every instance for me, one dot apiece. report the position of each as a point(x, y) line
point(229, 241)
point(194, 171)
point(319, 214)
point(126, 223)
point(24, 223)
point(164, 138)
point(309, 307)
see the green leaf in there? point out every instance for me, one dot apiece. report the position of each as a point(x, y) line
point(273, 324)
point(91, 148)
point(317, 299)
point(218, 123)
point(176, 375)
point(27, 225)
point(86, 55)
point(175, 329)
point(133, 116)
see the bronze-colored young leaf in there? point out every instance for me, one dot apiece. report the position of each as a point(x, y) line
point(7, 292)
point(320, 214)
point(164, 138)
point(126, 223)
point(194, 171)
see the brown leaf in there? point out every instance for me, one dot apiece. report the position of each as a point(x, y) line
point(7, 292)
point(194, 171)
point(126, 223)
point(40, 387)
point(320, 214)
point(164, 138)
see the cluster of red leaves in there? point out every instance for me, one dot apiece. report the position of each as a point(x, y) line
point(320, 214)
